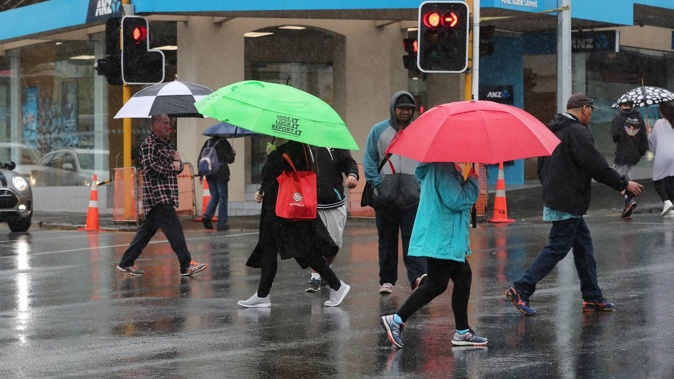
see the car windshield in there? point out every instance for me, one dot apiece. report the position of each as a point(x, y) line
point(27, 156)
point(88, 159)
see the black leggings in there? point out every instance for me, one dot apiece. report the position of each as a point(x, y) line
point(440, 271)
point(665, 188)
point(269, 266)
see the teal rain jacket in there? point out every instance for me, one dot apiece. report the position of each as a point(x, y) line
point(443, 217)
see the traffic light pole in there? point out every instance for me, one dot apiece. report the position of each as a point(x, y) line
point(472, 76)
point(126, 136)
point(126, 149)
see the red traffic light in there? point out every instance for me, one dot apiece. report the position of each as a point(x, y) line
point(434, 19)
point(410, 45)
point(139, 34)
point(449, 19)
point(443, 36)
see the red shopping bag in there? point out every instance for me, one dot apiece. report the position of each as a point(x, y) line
point(297, 197)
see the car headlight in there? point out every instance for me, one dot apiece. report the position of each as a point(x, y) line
point(20, 183)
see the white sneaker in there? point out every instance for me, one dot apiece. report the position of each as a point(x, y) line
point(666, 208)
point(336, 297)
point(386, 288)
point(255, 302)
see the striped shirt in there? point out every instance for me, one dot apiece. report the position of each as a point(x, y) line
point(160, 181)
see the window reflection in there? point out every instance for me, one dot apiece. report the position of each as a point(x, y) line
point(297, 56)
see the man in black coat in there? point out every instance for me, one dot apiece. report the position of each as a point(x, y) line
point(566, 177)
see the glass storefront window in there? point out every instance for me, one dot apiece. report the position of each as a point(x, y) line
point(53, 88)
point(279, 57)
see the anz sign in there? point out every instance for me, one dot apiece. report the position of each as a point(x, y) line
point(103, 9)
point(497, 94)
point(595, 41)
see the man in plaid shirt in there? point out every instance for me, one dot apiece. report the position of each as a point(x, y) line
point(160, 165)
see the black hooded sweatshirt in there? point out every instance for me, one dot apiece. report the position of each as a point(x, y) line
point(567, 174)
point(629, 148)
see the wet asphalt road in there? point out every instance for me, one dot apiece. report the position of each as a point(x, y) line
point(67, 312)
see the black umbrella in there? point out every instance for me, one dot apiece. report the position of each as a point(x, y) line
point(644, 96)
point(227, 130)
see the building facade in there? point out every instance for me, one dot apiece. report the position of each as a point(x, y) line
point(348, 53)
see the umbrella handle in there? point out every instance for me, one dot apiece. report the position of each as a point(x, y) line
point(473, 209)
point(473, 216)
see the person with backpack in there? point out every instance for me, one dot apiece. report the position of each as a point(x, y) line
point(214, 159)
point(630, 134)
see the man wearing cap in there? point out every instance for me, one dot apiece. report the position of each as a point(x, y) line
point(396, 194)
point(629, 132)
point(566, 177)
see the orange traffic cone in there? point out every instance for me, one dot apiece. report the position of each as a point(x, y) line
point(92, 214)
point(500, 208)
point(204, 201)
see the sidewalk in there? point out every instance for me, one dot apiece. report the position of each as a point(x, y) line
point(74, 220)
point(523, 201)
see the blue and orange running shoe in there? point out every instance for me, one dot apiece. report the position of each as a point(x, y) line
point(393, 330)
point(602, 305)
point(519, 303)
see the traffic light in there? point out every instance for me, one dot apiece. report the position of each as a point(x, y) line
point(486, 36)
point(140, 64)
point(410, 60)
point(111, 66)
point(443, 36)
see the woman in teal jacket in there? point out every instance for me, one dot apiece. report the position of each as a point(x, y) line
point(440, 234)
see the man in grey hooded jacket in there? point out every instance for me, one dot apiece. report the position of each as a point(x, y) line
point(396, 194)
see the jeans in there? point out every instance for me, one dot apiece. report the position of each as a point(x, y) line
point(440, 271)
point(219, 198)
point(164, 217)
point(564, 235)
point(389, 221)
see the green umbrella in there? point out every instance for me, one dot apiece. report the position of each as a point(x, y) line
point(279, 111)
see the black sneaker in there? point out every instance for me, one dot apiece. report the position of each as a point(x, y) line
point(519, 303)
point(393, 330)
point(194, 268)
point(133, 270)
point(602, 305)
point(313, 286)
point(223, 228)
point(468, 339)
point(208, 223)
point(629, 207)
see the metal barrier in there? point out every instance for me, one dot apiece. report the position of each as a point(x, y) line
point(355, 194)
point(127, 204)
point(482, 198)
point(125, 195)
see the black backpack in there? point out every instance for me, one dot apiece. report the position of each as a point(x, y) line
point(209, 164)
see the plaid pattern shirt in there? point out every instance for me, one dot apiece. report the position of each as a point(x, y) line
point(160, 180)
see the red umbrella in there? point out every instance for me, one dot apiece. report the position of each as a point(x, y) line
point(474, 131)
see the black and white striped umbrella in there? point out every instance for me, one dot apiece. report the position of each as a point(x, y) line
point(645, 96)
point(175, 99)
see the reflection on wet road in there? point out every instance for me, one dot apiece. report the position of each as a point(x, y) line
point(66, 310)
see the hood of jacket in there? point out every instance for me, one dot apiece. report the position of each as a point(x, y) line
point(561, 121)
point(392, 113)
point(422, 171)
